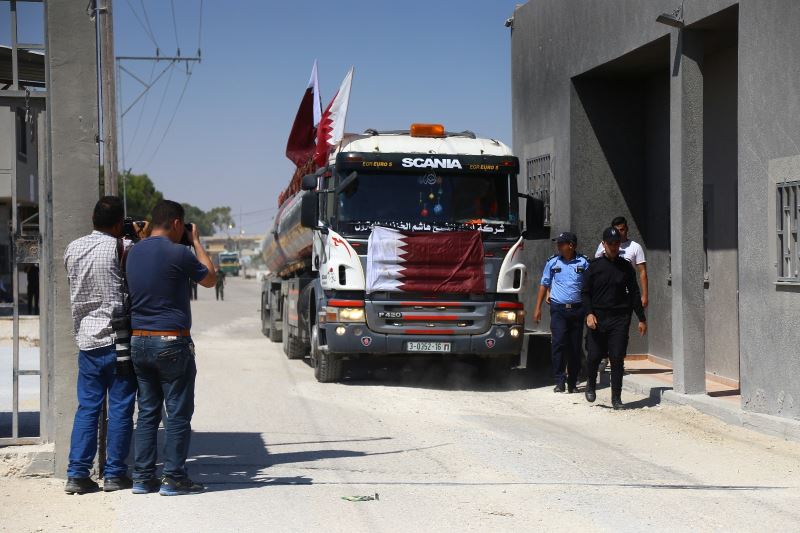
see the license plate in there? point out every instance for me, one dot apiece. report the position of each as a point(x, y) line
point(428, 347)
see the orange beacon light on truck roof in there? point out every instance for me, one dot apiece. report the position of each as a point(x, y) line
point(427, 130)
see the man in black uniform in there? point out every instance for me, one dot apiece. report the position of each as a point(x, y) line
point(610, 293)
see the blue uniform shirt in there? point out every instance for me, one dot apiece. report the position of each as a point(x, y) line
point(565, 278)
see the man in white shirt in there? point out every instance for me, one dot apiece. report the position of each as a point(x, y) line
point(96, 295)
point(632, 251)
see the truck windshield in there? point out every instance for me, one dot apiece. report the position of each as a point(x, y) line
point(429, 201)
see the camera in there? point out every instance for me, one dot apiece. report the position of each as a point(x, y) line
point(122, 343)
point(186, 240)
point(132, 228)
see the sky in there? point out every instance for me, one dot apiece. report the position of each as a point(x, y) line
point(223, 141)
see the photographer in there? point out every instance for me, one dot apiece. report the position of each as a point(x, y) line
point(96, 294)
point(159, 269)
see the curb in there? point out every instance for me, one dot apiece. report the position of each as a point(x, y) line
point(776, 426)
point(27, 461)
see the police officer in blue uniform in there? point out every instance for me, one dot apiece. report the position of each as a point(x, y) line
point(563, 278)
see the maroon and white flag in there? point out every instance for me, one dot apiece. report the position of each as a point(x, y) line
point(331, 126)
point(447, 262)
point(302, 140)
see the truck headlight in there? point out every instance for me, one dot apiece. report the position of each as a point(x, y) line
point(508, 317)
point(345, 314)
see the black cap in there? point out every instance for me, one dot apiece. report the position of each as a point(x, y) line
point(567, 236)
point(611, 234)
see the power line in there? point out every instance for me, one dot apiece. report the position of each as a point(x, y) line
point(175, 26)
point(200, 29)
point(158, 114)
point(141, 110)
point(259, 211)
point(147, 20)
point(147, 30)
point(172, 118)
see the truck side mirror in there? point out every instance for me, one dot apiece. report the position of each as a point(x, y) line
point(309, 210)
point(534, 217)
point(309, 182)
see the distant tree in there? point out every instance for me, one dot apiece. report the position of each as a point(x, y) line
point(209, 222)
point(142, 195)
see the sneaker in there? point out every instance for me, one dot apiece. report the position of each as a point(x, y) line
point(111, 484)
point(572, 389)
point(81, 485)
point(178, 487)
point(147, 486)
point(559, 388)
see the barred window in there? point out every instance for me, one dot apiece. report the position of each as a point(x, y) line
point(540, 182)
point(787, 222)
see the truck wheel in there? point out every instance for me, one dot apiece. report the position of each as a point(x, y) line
point(275, 334)
point(327, 367)
point(292, 346)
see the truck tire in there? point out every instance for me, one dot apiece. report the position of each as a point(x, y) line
point(327, 367)
point(275, 335)
point(292, 346)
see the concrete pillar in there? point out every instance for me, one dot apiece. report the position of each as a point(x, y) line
point(73, 182)
point(686, 212)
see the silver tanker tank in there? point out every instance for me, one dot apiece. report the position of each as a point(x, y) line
point(287, 246)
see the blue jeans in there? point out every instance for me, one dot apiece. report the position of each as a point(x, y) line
point(96, 378)
point(566, 326)
point(165, 370)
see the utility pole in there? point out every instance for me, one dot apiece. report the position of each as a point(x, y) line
point(109, 92)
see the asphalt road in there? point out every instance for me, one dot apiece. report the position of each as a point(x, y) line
point(442, 450)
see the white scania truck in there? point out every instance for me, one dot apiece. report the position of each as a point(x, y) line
point(424, 186)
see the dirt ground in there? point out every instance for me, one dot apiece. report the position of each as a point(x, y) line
point(444, 451)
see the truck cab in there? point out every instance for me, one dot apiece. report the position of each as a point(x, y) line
point(424, 181)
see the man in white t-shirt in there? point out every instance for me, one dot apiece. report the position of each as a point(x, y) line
point(632, 251)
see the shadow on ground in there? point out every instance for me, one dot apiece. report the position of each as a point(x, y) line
point(235, 461)
point(439, 374)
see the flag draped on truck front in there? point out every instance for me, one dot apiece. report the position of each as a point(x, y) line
point(447, 262)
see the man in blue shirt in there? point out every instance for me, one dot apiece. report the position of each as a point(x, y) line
point(563, 277)
point(159, 269)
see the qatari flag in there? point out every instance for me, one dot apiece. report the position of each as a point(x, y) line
point(447, 262)
point(302, 140)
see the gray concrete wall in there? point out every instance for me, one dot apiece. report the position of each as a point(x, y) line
point(720, 174)
point(769, 150)
point(73, 188)
point(553, 42)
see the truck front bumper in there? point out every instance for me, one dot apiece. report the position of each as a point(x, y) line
point(357, 339)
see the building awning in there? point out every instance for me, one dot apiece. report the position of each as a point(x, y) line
point(31, 67)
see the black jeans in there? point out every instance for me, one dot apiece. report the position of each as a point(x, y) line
point(165, 371)
point(566, 326)
point(611, 338)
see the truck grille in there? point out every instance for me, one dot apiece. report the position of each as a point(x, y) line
point(421, 317)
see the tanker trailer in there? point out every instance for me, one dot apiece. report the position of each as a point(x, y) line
point(286, 250)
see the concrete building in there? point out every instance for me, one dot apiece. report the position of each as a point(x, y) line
point(692, 133)
point(247, 245)
point(22, 119)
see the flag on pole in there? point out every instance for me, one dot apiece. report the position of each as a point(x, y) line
point(331, 126)
point(301, 144)
point(447, 262)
